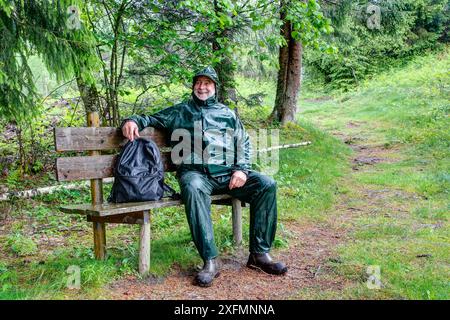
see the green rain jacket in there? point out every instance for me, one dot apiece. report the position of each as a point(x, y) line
point(212, 132)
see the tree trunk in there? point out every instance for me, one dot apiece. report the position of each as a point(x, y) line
point(283, 59)
point(112, 72)
point(288, 83)
point(116, 68)
point(226, 68)
point(225, 71)
point(289, 109)
point(22, 162)
point(89, 95)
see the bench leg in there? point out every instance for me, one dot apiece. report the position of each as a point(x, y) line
point(144, 244)
point(237, 221)
point(99, 240)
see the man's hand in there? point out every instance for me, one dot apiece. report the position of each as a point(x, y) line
point(238, 179)
point(130, 130)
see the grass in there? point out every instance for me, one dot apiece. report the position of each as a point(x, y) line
point(405, 232)
point(307, 176)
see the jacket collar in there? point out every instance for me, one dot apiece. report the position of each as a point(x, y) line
point(210, 102)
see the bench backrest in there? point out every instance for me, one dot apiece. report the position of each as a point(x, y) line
point(98, 139)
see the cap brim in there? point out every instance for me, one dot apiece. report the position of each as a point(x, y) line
point(204, 75)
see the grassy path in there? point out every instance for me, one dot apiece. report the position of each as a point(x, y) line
point(394, 204)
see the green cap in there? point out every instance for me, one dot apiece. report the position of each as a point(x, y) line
point(207, 72)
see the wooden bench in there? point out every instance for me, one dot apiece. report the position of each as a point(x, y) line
point(96, 166)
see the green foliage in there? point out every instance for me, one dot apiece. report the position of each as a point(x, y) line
point(13, 179)
point(407, 28)
point(404, 229)
point(39, 27)
point(27, 142)
point(21, 245)
point(309, 24)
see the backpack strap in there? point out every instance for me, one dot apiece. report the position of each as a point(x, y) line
point(171, 192)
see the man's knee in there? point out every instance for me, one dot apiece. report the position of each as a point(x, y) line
point(191, 184)
point(267, 183)
point(271, 184)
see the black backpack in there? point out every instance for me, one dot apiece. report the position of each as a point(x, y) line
point(139, 174)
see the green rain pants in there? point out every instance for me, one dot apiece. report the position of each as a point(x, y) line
point(259, 191)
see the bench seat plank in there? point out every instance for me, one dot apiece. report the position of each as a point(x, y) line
point(108, 209)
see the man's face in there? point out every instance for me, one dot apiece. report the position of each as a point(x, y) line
point(204, 88)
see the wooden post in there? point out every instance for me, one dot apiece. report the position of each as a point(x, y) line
point(144, 244)
point(237, 221)
point(97, 198)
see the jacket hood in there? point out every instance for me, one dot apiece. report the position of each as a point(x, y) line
point(211, 74)
point(207, 72)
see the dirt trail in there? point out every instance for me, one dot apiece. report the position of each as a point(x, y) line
point(311, 247)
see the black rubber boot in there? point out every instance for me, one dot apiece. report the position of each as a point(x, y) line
point(264, 262)
point(206, 276)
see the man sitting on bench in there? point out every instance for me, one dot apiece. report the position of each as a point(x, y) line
point(219, 164)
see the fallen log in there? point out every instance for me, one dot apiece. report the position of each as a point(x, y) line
point(285, 146)
point(46, 190)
